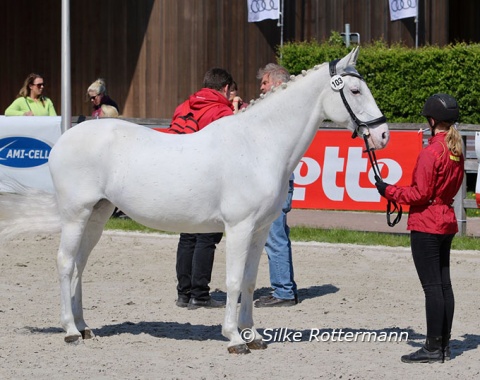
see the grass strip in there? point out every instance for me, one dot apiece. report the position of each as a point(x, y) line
point(335, 236)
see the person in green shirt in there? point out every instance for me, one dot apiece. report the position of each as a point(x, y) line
point(30, 100)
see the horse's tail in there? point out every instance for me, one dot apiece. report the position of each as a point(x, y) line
point(27, 210)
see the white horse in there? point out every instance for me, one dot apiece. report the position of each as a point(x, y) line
point(232, 176)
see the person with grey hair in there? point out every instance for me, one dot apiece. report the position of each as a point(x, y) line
point(97, 94)
point(278, 245)
point(272, 75)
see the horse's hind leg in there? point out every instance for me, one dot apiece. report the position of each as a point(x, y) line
point(93, 231)
point(66, 265)
point(77, 241)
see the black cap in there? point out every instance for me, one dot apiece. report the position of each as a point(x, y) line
point(441, 107)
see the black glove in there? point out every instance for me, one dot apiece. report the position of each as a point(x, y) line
point(381, 187)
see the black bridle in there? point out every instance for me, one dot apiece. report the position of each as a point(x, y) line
point(362, 128)
point(350, 71)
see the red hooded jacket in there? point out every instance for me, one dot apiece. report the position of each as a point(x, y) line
point(436, 179)
point(218, 106)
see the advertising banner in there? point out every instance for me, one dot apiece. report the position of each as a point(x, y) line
point(259, 10)
point(335, 172)
point(25, 144)
point(403, 9)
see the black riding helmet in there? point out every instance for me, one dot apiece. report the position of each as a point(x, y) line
point(441, 107)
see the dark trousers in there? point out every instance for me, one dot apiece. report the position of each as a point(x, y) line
point(431, 255)
point(195, 256)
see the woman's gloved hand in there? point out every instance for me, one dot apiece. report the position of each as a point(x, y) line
point(381, 187)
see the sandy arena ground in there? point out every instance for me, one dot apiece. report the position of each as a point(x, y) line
point(129, 294)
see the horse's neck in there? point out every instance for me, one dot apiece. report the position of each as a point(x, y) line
point(285, 121)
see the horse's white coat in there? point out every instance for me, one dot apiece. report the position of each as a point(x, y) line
point(232, 176)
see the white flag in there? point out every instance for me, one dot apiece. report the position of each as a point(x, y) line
point(402, 9)
point(259, 10)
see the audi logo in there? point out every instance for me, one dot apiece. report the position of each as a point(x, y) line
point(399, 5)
point(258, 6)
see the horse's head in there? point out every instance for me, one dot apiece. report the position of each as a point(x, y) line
point(349, 102)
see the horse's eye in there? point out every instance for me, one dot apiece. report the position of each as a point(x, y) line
point(355, 91)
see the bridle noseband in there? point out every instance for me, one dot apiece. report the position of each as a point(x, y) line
point(363, 130)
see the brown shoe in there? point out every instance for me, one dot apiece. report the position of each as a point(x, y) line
point(271, 301)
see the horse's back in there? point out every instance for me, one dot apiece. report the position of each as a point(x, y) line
point(91, 135)
point(104, 143)
point(161, 179)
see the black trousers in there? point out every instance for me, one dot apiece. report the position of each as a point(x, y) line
point(431, 255)
point(195, 256)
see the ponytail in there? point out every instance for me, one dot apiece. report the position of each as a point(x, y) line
point(454, 141)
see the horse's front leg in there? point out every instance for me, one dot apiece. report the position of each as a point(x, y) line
point(245, 320)
point(237, 253)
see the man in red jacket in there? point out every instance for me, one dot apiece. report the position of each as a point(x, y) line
point(437, 177)
point(195, 253)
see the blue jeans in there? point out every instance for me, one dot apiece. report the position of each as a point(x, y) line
point(279, 251)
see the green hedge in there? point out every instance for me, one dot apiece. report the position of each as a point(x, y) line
point(401, 78)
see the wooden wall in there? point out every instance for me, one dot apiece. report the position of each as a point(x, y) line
point(153, 53)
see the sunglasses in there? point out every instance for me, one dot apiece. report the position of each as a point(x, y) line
point(39, 85)
point(93, 97)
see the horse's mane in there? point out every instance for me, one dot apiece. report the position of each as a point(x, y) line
point(283, 86)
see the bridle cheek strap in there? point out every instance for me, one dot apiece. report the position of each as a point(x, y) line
point(358, 130)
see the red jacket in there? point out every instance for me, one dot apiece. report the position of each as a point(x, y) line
point(437, 177)
point(219, 106)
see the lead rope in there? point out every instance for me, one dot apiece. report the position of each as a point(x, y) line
point(376, 171)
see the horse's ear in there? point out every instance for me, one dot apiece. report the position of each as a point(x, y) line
point(354, 56)
point(349, 60)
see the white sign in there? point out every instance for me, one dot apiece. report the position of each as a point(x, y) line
point(25, 144)
point(259, 10)
point(403, 9)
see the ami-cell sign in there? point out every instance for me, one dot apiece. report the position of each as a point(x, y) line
point(25, 145)
point(335, 172)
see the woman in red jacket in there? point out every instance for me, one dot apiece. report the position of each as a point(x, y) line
point(437, 177)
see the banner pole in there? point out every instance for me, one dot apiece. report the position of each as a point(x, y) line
point(280, 24)
point(66, 93)
point(416, 28)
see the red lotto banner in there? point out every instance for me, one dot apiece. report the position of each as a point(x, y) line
point(335, 172)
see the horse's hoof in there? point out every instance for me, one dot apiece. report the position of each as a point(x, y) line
point(257, 345)
point(72, 338)
point(240, 349)
point(87, 334)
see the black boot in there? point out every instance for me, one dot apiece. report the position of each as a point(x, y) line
point(431, 352)
point(447, 354)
